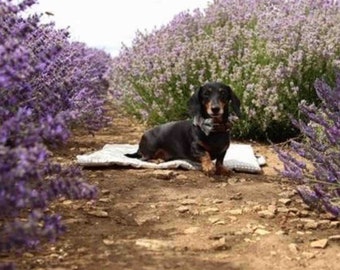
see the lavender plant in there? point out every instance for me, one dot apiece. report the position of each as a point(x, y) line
point(270, 52)
point(47, 85)
point(318, 173)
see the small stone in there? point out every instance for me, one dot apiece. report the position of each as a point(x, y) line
point(311, 225)
point(293, 248)
point(232, 218)
point(181, 177)
point(308, 255)
point(261, 231)
point(54, 256)
point(220, 222)
point(82, 250)
point(236, 197)
point(210, 210)
point(213, 220)
point(272, 208)
point(163, 174)
point(334, 224)
point(324, 224)
point(108, 242)
point(280, 232)
point(183, 209)
point(217, 201)
point(99, 213)
point(285, 201)
point(246, 209)
point(194, 212)
point(322, 243)
point(216, 221)
point(154, 244)
point(28, 255)
point(248, 240)
point(305, 206)
point(104, 200)
point(69, 221)
point(288, 193)
point(282, 210)
point(244, 231)
point(223, 185)
point(233, 181)
point(304, 213)
point(221, 244)
point(266, 214)
point(257, 208)
point(235, 212)
point(326, 216)
point(293, 210)
point(305, 220)
point(216, 236)
point(273, 253)
point(189, 202)
point(105, 191)
point(140, 220)
point(67, 202)
point(334, 237)
point(191, 230)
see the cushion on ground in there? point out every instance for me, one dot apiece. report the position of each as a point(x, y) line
point(239, 157)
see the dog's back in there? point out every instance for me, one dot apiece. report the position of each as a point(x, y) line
point(167, 142)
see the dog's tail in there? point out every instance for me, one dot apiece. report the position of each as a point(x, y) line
point(134, 155)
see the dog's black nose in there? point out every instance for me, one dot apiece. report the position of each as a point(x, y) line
point(215, 110)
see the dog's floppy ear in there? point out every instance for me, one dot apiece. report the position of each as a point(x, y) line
point(194, 104)
point(235, 103)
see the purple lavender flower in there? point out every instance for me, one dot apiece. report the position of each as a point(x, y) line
point(47, 85)
point(270, 52)
point(320, 148)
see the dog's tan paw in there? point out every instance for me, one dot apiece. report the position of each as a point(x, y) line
point(208, 168)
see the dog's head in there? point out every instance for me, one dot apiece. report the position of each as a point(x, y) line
point(212, 101)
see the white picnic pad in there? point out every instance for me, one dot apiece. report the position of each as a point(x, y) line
point(239, 157)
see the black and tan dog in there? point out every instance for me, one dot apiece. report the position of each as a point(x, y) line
point(204, 138)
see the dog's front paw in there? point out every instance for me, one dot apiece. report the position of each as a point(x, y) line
point(208, 169)
point(207, 166)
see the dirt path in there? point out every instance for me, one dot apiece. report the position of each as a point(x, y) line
point(184, 219)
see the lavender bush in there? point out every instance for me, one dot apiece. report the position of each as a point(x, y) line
point(318, 173)
point(270, 52)
point(47, 86)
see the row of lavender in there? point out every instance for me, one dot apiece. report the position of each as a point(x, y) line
point(270, 52)
point(47, 86)
point(314, 162)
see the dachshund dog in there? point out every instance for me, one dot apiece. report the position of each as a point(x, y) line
point(204, 138)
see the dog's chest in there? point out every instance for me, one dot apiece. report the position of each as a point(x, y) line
point(216, 143)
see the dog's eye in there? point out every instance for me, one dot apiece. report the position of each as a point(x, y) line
point(224, 95)
point(206, 94)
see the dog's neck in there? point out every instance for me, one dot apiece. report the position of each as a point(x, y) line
point(212, 125)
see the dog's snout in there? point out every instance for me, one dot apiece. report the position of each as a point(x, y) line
point(215, 109)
